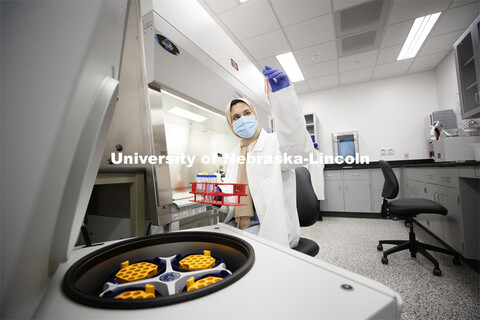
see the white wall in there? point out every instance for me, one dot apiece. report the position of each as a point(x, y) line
point(386, 113)
point(447, 86)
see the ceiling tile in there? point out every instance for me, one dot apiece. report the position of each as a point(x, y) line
point(301, 87)
point(324, 82)
point(411, 9)
point(311, 32)
point(270, 61)
point(358, 61)
point(344, 4)
point(267, 45)
point(439, 43)
point(427, 62)
point(356, 75)
point(251, 19)
point(291, 12)
point(324, 52)
point(457, 3)
point(388, 55)
point(320, 69)
point(219, 6)
point(396, 33)
point(392, 69)
point(456, 19)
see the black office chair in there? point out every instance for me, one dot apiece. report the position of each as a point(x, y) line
point(308, 209)
point(407, 209)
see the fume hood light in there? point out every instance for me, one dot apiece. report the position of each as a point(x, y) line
point(192, 104)
point(290, 65)
point(187, 114)
point(417, 35)
point(243, 1)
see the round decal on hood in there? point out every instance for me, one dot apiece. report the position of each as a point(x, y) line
point(167, 44)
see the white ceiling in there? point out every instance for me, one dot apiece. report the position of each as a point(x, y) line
point(266, 28)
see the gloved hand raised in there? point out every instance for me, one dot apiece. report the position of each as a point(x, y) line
point(278, 80)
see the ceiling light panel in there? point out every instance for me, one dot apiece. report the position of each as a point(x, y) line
point(421, 28)
point(290, 66)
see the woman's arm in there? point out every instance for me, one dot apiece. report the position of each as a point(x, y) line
point(290, 125)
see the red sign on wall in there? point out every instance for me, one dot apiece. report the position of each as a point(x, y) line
point(234, 64)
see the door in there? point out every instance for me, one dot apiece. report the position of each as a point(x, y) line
point(357, 196)
point(452, 222)
point(333, 196)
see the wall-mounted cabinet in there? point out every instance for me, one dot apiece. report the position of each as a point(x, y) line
point(467, 60)
point(312, 125)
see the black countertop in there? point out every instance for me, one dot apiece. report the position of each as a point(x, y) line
point(403, 163)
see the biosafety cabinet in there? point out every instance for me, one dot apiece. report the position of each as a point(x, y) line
point(44, 201)
point(165, 73)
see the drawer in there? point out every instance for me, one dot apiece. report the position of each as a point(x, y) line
point(447, 177)
point(361, 174)
point(428, 175)
point(332, 174)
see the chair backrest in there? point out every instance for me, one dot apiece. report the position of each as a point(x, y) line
point(390, 186)
point(307, 202)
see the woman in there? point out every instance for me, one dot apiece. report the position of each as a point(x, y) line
point(271, 191)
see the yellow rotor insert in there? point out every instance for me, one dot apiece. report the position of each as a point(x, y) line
point(198, 261)
point(136, 271)
point(138, 294)
point(193, 285)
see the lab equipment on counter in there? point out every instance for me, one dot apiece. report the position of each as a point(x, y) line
point(454, 148)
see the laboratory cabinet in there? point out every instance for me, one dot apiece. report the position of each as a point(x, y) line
point(347, 190)
point(467, 61)
point(311, 123)
point(443, 185)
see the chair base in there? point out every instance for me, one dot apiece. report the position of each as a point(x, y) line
point(307, 246)
point(415, 246)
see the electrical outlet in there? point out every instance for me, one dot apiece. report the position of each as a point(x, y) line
point(406, 155)
point(390, 151)
point(383, 151)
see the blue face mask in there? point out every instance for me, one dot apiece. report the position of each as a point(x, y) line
point(245, 127)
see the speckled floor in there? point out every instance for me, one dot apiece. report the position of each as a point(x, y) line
point(351, 243)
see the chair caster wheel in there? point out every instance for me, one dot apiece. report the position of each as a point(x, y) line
point(408, 224)
point(456, 261)
point(384, 260)
point(380, 247)
point(437, 272)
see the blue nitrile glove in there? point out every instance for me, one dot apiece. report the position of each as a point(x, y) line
point(278, 80)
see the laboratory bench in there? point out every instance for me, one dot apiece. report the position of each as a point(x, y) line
point(357, 190)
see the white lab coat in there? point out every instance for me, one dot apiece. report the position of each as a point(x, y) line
point(272, 185)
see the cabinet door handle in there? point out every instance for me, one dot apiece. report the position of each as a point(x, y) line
point(440, 201)
point(339, 188)
point(435, 194)
point(477, 100)
point(355, 174)
point(346, 188)
point(447, 178)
